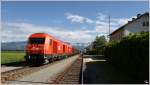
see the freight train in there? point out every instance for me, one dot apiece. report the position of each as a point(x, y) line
point(43, 48)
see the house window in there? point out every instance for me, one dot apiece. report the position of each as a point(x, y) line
point(147, 23)
point(144, 24)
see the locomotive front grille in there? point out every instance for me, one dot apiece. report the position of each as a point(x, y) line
point(36, 56)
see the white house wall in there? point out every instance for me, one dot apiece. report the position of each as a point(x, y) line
point(136, 26)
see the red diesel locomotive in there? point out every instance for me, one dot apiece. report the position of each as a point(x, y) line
point(43, 48)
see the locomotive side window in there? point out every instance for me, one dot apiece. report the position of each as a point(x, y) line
point(50, 41)
point(37, 40)
point(63, 48)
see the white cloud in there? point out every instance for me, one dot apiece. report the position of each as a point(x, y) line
point(102, 23)
point(77, 18)
point(119, 21)
point(99, 22)
point(19, 31)
point(101, 16)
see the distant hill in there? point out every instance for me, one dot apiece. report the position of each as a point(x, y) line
point(20, 45)
point(81, 48)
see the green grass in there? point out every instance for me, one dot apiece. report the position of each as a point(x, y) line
point(12, 56)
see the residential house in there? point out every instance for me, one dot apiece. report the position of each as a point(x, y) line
point(139, 24)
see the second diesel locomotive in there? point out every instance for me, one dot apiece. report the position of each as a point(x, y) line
point(43, 48)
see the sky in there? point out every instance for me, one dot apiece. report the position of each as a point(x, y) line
point(69, 21)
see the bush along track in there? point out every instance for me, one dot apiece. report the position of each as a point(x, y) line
point(131, 54)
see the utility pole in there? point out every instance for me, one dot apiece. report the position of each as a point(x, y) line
point(109, 24)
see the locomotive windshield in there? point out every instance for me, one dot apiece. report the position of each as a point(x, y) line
point(37, 40)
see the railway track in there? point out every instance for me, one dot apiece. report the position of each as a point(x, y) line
point(21, 72)
point(72, 75)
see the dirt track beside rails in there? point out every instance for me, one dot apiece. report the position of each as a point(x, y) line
point(40, 75)
point(14, 74)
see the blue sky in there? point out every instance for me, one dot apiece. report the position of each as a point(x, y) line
point(69, 21)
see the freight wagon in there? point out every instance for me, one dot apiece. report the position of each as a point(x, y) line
point(43, 48)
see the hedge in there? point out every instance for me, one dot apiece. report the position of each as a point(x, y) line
point(131, 54)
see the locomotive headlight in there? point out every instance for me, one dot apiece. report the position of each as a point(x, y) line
point(37, 48)
point(29, 57)
point(45, 57)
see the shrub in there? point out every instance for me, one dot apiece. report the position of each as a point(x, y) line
point(131, 54)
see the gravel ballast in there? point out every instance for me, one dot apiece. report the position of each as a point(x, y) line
point(44, 75)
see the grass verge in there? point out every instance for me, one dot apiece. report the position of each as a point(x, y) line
point(12, 56)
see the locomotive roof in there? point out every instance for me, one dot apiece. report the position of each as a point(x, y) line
point(52, 37)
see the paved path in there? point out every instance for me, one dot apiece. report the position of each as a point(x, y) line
point(43, 76)
point(98, 71)
point(8, 68)
point(12, 66)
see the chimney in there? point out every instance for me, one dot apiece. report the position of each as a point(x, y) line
point(129, 21)
point(133, 19)
point(138, 15)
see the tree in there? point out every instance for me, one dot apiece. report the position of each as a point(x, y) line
point(100, 41)
point(99, 44)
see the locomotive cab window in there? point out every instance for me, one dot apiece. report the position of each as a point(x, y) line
point(37, 40)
